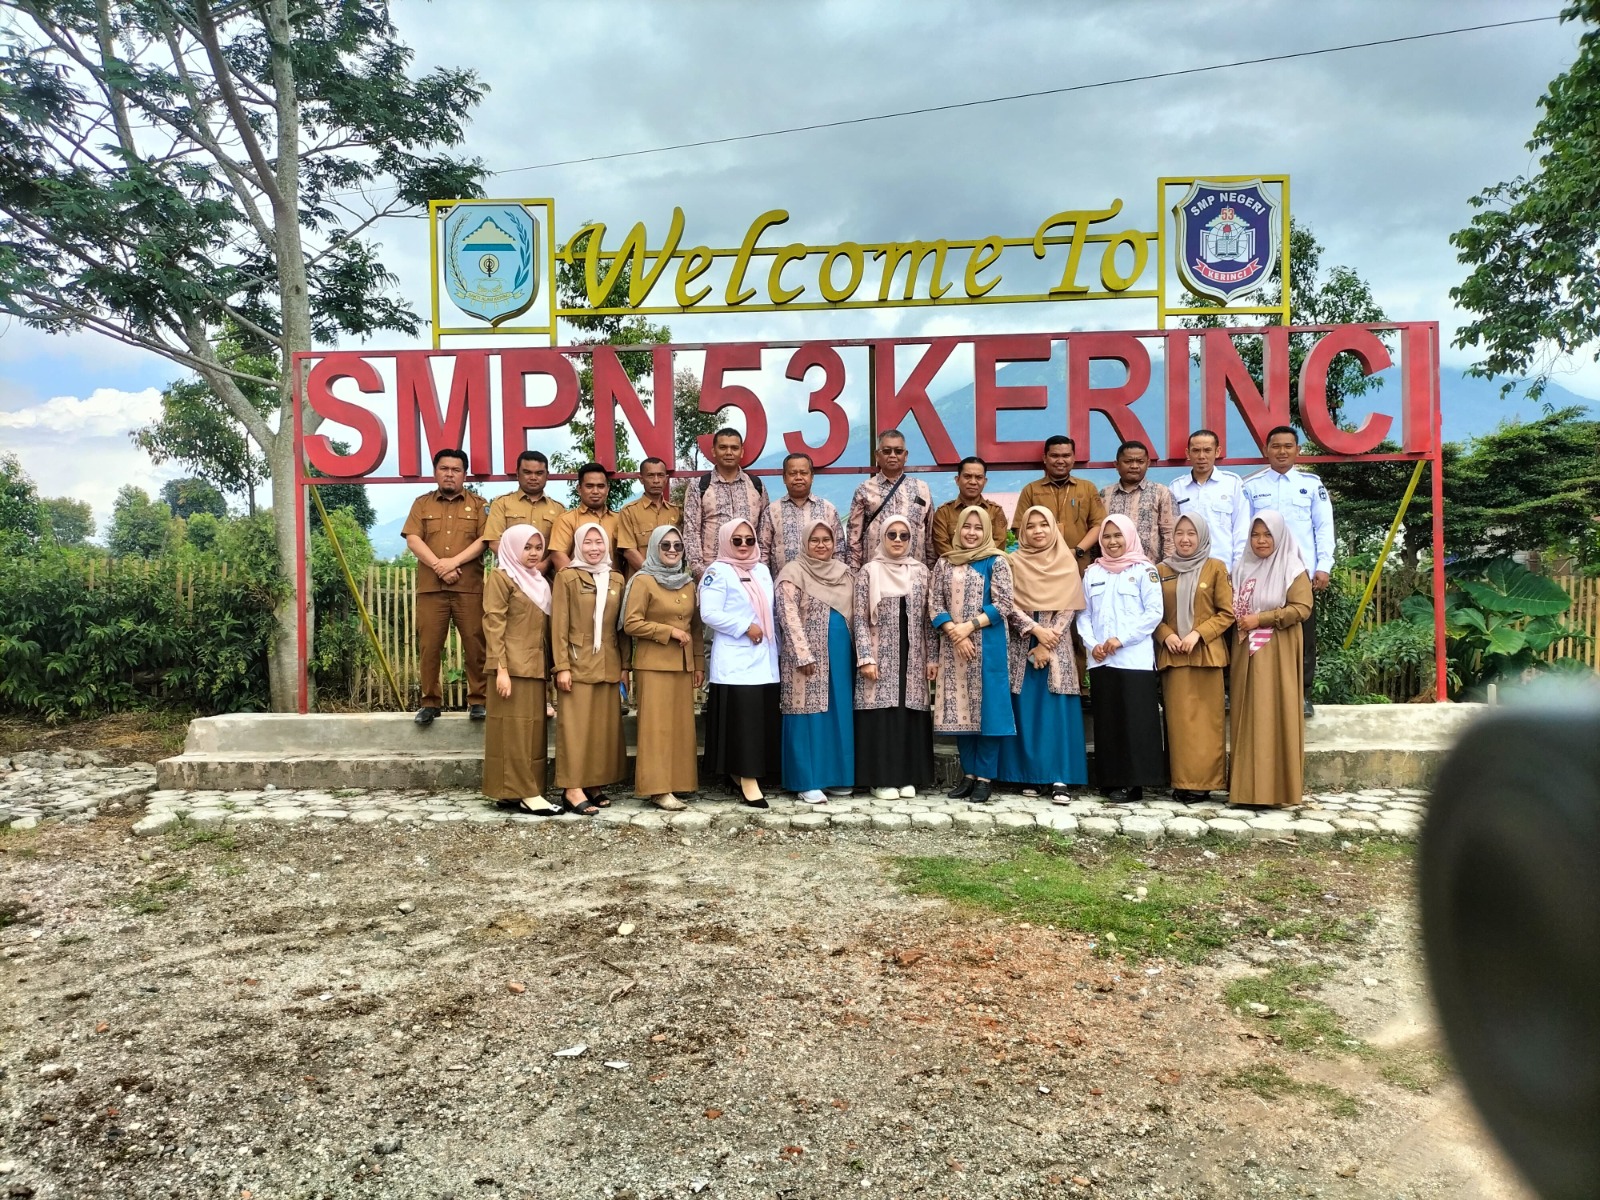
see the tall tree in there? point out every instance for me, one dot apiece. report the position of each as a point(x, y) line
point(201, 432)
point(67, 522)
point(173, 171)
point(1534, 244)
point(1336, 297)
point(20, 520)
point(140, 527)
point(185, 497)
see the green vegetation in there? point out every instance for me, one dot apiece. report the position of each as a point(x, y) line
point(147, 899)
point(1272, 1082)
point(187, 837)
point(1416, 1069)
point(1294, 1018)
point(1185, 912)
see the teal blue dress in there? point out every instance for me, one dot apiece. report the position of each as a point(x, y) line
point(981, 752)
point(819, 749)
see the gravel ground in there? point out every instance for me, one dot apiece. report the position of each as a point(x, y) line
point(377, 1011)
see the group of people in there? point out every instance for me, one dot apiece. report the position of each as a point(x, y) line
point(834, 650)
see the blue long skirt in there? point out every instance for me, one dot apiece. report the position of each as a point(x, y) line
point(1049, 746)
point(819, 749)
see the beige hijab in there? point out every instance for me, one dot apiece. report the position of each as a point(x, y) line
point(828, 579)
point(600, 572)
point(889, 577)
point(1045, 580)
point(958, 557)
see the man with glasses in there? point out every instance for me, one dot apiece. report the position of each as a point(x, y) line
point(785, 523)
point(724, 493)
point(642, 517)
point(889, 493)
point(1076, 503)
point(1216, 495)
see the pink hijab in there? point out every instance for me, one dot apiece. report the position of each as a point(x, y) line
point(513, 542)
point(742, 559)
point(1132, 554)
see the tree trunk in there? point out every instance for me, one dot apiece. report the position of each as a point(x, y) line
point(284, 656)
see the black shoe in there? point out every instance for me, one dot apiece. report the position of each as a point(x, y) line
point(425, 715)
point(1135, 794)
point(1117, 796)
point(1310, 712)
point(1188, 796)
point(477, 713)
point(980, 792)
point(963, 789)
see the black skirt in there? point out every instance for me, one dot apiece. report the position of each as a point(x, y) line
point(894, 746)
point(744, 733)
point(1128, 748)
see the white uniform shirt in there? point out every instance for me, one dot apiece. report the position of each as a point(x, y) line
point(1307, 511)
point(725, 607)
point(1125, 605)
point(1220, 500)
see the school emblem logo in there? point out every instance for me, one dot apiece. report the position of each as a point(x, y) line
point(491, 260)
point(1227, 238)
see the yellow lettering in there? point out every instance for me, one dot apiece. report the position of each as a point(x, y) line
point(984, 255)
point(1080, 220)
point(640, 280)
point(858, 265)
point(693, 265)
point(915, 252)
point(1109, 276)
point(760, 225)
point(775, 289)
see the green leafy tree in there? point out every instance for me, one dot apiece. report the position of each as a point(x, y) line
point(198, 430)
point(1366, 496)
point(201, 531)
point(186, 497)
point(140, 527)
point(67, 522)
point(1534, 243)
point(20, 519)
point(689, 423)
point(343, 497)
point(175, 174)
point(1337, 296)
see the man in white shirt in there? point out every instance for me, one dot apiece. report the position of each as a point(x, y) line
point(1216, 495)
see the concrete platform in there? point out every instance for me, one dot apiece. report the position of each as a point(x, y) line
point(1348, 747)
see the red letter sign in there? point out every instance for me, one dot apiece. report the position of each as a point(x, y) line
point(989, 397)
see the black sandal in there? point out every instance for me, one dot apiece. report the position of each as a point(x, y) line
point(522, 807)
point(587, 809)
point(598, 798)
point(1060, 794)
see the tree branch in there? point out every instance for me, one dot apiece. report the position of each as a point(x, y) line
point(230, 100)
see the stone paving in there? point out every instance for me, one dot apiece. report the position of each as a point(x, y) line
point(72, 786)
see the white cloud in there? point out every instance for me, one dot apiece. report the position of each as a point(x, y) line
point(103, 413)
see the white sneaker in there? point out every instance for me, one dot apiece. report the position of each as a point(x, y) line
point(840, 791)
point(812, 797)
point(886, 793)
point(909, 792)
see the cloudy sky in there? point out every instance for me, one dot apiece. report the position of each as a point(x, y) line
point(1385, 146)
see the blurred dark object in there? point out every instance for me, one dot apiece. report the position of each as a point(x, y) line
point(1510, 862)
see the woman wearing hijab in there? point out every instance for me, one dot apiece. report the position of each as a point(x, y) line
point(970, 602)
point(659, 614)
point(893, 646)
point(590, 664)
point(816, 595)
point(1191, 654)
point(1271, 597)
point(743, 737)
point(1123, 595)
point(516, 625)
point(1048, 593)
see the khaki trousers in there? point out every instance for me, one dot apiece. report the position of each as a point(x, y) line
point(435, 611)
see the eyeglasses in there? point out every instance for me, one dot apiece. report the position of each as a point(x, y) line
point(744, 541)
point(897, 537)
point(672, 545)
point(891, 449)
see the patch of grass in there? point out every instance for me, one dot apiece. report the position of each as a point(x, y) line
point(229, 869)
point(147, 899)
point(1272, 1082)
point(1299, 1021)
point(1414, 1069)
point(1190, 906)
point(73, 939)
point(185, 837)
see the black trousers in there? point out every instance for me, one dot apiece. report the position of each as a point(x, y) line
point(1309, 648)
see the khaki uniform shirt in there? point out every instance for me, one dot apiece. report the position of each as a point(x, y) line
point(642, 517)
point(565, 530)
point(573, 597)
point(448, 525)
point(514, 630)
point(946, 516)
point(1076, 504)
point(516, 508)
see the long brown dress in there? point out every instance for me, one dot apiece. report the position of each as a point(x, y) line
point(1191, 684)
point(514, 743)
point(663, 685)
point(589, 747)
point(1268, 717)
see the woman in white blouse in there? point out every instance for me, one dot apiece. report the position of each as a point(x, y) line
point(1123, 595)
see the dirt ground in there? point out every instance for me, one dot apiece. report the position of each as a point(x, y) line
point(379, 1013)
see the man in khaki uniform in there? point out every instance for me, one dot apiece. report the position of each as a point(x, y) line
point(971, 478)
point(594, 492)
point(445, 531)
point(1076, 503)
point(528, 505)
point(642, 517)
